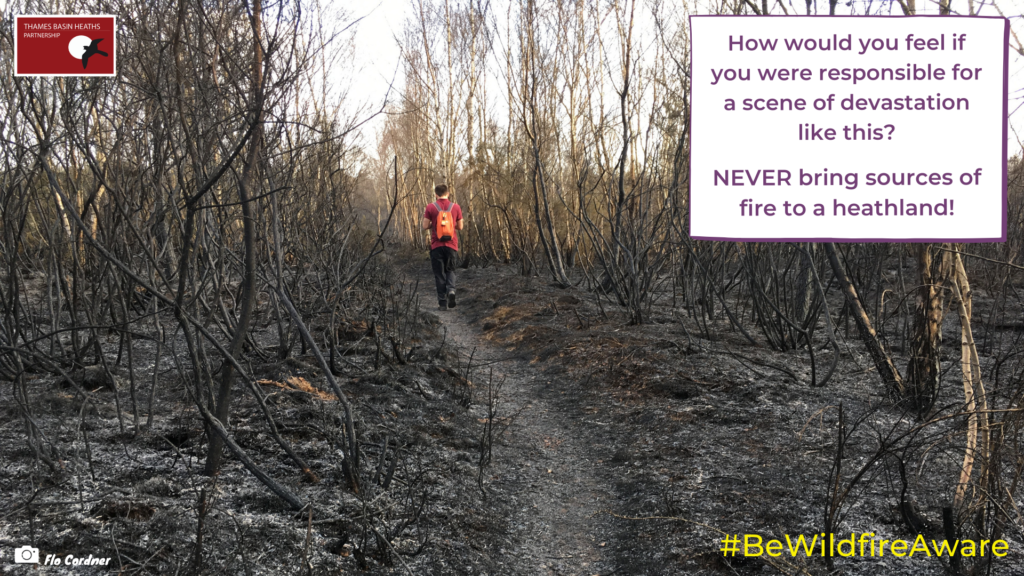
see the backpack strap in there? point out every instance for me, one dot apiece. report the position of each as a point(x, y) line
point(439, 210)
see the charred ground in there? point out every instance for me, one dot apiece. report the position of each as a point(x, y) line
point(614, 448)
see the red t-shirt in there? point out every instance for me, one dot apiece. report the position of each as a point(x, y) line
point(431, 214)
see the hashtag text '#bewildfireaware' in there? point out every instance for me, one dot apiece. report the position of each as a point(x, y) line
point(864, 545)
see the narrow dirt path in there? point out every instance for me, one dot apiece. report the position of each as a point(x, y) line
point(557, 478)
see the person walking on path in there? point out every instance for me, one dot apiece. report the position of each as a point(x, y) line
point(443, 217)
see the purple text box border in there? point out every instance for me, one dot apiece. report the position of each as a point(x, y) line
point(1006, 88)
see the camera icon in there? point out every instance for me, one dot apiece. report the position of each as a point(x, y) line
point(26, 555)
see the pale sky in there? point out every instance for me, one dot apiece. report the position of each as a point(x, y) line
point(377, 56)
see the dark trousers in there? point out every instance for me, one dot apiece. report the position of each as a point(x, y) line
point(443, 261)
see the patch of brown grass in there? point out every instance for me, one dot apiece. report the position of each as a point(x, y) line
point(504, 315)
point(299, 384)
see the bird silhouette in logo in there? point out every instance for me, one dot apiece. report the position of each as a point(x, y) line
point(90, 50)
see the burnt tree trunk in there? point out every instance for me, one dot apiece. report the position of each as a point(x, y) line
point(223, 408)
point(923, 367)
point(883, 362)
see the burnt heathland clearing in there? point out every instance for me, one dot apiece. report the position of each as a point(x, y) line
point(221, 351)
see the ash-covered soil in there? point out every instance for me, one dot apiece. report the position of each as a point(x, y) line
point(613, 449)
point(675, 441)
point(134, 493)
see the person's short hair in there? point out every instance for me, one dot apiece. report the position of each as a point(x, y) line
point(440, 190)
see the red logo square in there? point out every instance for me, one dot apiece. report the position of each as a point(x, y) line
point(65, 45)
